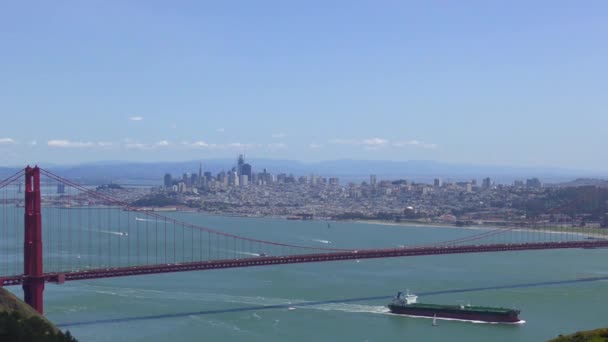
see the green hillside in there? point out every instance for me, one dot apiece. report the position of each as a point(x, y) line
point(20, 323)
point(598, 335)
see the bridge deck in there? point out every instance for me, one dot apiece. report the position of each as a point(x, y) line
point(304, 258)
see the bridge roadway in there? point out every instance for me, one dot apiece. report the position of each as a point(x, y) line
point(302, 258)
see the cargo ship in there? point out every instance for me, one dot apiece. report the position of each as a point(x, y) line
point(406, 304)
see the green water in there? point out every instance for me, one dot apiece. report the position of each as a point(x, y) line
point(547, 310)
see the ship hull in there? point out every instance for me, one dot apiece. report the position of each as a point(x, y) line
point(463, 314)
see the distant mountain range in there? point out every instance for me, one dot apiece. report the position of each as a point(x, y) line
point(347, 170)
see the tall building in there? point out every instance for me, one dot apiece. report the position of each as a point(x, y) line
point(239, 165)
point(244, 180)
point(437, 182)
point(208, 176)
point(167, 180)
point(200, 174)
point(235, 178)
point(534, 183)
point(372, 180)
point(313, 179)
point(222, 178)
point(246, 170)
point(486, 183)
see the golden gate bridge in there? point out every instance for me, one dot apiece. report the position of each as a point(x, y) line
point(89, 234)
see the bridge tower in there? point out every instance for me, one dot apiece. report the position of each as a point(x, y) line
point(33, 285)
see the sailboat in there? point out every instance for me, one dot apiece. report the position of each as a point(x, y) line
point(435, 320)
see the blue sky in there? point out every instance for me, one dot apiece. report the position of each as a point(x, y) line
point(488, 82)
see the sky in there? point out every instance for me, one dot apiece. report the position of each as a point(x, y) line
point(519, 83)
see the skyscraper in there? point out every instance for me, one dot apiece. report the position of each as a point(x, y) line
point(486, 183)
point(167, 180)
point(239, 164)
point(200, 174)
point(534, 183)
point(372, 180)
point(246, 170)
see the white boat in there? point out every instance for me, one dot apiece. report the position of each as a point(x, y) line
point(435, 320)
point(291, 308)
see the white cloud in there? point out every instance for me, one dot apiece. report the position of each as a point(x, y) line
point(105, 144)
point(375, 142)
point(279, 135)
point(201, 145)
point(414, 143)
point(241, 146)
point(136, 118)
point(6, 141)
point(63, 143)
point(33, 143)
point(314, 146)
point(162, 143)
point(220, 130)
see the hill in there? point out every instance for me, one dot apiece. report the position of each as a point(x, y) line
point(20, 322)
point(598, 335)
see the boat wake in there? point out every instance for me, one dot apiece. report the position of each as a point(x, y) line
point(113, 232)
point(352, 308)
point(321, 241)
point(143, 219)
point(248, 253)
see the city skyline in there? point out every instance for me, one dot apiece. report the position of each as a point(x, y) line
point(492, 84)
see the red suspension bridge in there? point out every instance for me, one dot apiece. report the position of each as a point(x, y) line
point(89, 234)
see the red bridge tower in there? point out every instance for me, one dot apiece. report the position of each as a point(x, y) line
point(33, 284)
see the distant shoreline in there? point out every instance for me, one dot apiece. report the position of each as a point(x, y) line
point(591, 232)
